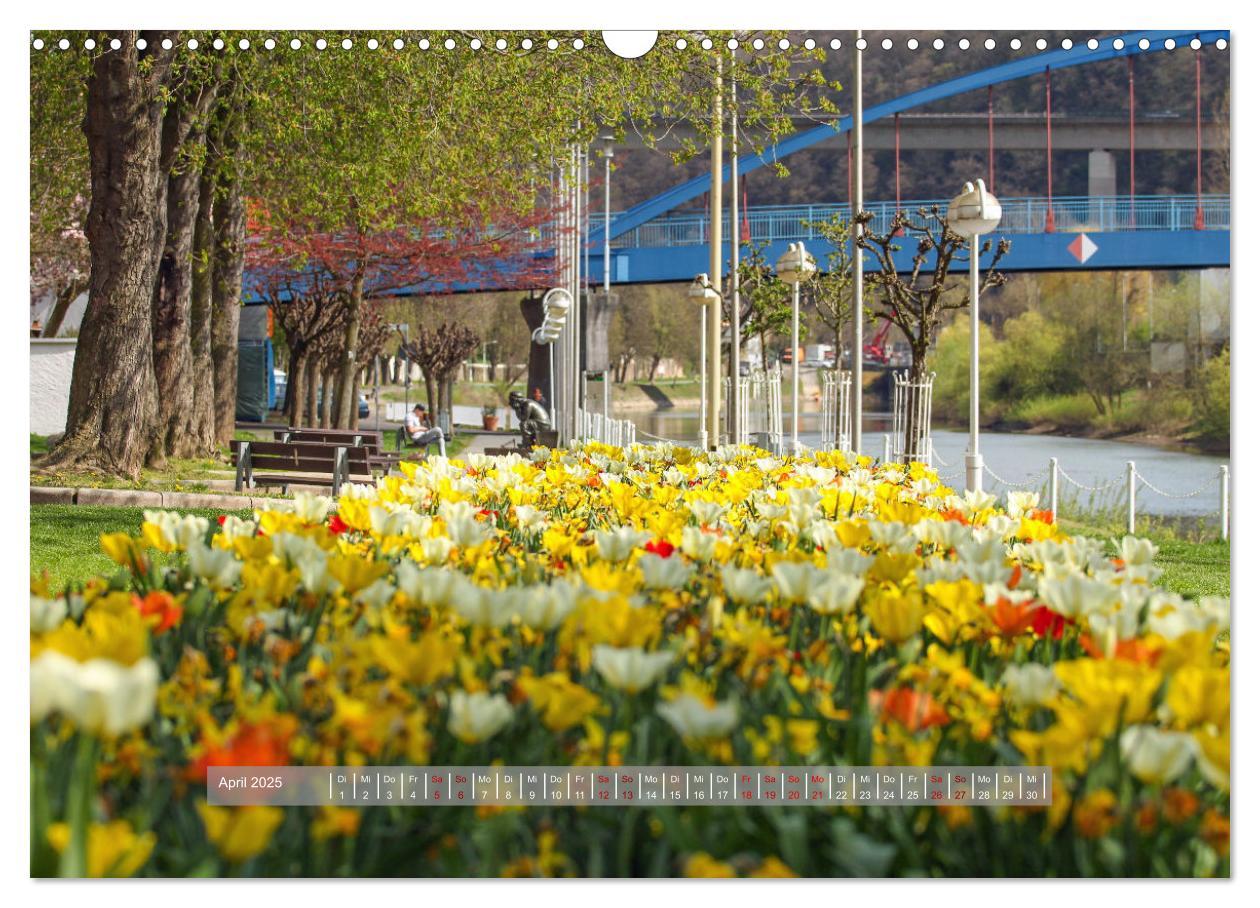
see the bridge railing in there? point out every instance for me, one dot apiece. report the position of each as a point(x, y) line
point(1072, 214)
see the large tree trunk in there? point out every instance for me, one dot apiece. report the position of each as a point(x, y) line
point(113, 404)
point(183, 130)
point(200, 317)
point(345, 403)
point(229, 264)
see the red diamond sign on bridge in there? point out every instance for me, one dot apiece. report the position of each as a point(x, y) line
point(1082, 248)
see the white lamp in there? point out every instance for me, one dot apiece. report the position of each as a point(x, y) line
point(702, 293)
point(794, 266)
point(973, 213)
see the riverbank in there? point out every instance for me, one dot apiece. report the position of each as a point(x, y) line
point(1185, 442)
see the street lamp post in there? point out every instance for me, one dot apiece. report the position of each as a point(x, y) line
point(972, 214)
point(794, 266)
point(706, 296)
point(608, 156)
point(556, 305)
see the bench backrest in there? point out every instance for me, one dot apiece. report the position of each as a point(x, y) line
point(368, 438)
point(304, 457)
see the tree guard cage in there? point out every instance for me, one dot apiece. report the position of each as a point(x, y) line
point(912, 417)
point(837, 389)
point(761, 409)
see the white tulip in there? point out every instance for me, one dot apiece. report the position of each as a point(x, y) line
point(530, 519)
point(707, 513)
point(698, 544)
point(1156, 755)
point(477, 716)
point(670, 573)
point(178, 530)
point(630, 669)
point(1074, 595)
point(218, 567)
point(616, 545)
point(47, 614)
point(1030, 684)
point(99, 696)
point(849, 561)
point(837, 594)
point(743, 586)
point(693, 718)
point(795, 579)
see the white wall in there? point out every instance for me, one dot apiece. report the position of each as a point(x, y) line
point(52, 362)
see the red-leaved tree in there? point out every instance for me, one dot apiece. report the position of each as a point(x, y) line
point(352, 267)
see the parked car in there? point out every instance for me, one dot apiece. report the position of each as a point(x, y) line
point(282, 387)
point(364, 409)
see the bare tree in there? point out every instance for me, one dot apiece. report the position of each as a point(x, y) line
point(438, 351)
point(915, 301)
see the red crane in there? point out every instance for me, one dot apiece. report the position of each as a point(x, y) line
point(876, 349)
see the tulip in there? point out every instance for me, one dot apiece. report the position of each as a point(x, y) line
point(99, 696)
point(1154, 755)
point(837, 594)
point(670, 573)
point(795, 580)
point(692, 717)
point(743, 586)
point(630, 669)
point(474, 717)
point(1031, 684)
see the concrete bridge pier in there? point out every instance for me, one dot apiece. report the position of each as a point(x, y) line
point(1102, 186)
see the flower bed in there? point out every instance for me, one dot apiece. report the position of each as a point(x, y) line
point(601, 607)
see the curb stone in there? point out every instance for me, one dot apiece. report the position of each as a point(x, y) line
point(133, 498)
point(52, 495)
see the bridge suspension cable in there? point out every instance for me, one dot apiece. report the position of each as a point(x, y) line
point(1198, 138)
point(1049, 162)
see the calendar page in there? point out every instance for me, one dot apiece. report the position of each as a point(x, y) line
point(532, 452)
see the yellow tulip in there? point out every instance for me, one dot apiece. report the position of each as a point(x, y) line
point(240, 833)
point(896, 615)
point(114, 848)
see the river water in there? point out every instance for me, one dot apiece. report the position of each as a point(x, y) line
point(1023, 461)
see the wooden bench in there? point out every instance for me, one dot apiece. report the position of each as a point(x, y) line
point(327, 463)
point(372, 439)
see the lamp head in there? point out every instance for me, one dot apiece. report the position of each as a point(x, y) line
point(557, 302)
point(795, 265)
point(701, 291)
point(974, 212)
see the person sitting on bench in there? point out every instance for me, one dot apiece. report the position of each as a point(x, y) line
point(416, 432)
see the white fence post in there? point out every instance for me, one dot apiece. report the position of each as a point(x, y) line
point(1225, 501)
point(1131, 471)
point(887, 448)
point(1054, 489)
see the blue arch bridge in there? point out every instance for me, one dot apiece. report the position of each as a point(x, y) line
point(1113, 232)
point(654, 241)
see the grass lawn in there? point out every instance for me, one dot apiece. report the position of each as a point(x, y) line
point(65, 539)
point(1192, 567)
